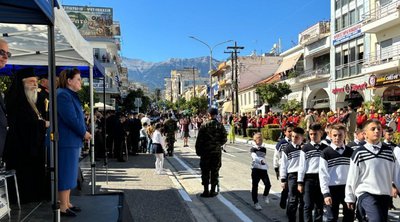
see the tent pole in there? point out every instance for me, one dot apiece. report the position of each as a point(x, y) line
point(92, 158)
point(53, 125)
point(104, 129)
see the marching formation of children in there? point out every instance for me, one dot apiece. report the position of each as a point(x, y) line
point(319, 175)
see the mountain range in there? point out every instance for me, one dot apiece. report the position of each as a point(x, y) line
point(153, 73)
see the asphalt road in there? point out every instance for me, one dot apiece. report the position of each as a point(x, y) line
point(234, 202)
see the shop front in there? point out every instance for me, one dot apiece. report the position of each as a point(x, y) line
point(350, 94)
point(386, 87)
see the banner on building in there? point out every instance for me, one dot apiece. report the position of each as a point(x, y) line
point(347, 34)
point(91, 21)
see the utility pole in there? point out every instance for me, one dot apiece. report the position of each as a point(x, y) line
point(235, 51)
point(171, 91)
point(194, 83)
point(232, 91)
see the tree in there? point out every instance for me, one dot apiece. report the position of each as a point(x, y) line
point(84, 95)
point(291, 105)
point(129, 102)
point(273, 93)
point(198, 104)
point(157, 94)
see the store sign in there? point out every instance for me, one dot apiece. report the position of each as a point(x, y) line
point(348, 88)
point(347, 34)
point(383, 80)
point(92, 21)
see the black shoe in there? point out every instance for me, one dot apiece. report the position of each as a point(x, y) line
point(213, 191)
point(213, 194)
point(75, 209)
point(205, 194)
point(68, 213)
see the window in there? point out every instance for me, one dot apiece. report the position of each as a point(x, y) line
point(360, 50)
point(338, 23)
point(353, 54)
point(244, 103)
point(352, 17)
point(345, 56)
point(344, 2)
point(337, 59)
point(337, 4)
point(345, 20)
point(360, 13)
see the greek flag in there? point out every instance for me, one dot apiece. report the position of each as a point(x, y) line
point(117, 81)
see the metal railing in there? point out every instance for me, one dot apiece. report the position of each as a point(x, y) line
point(381, 11)
point(388, 54)
point(316, 72)
point(349, 69)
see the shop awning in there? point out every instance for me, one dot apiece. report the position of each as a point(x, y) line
point(227, 107)
point(295, 96)
point(289, 62)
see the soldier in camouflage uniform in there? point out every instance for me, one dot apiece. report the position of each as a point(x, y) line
point(210, 139)
point(170, 128)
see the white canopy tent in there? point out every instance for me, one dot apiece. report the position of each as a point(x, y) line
point(28, 43)
point(101, 106)
point(29, 47)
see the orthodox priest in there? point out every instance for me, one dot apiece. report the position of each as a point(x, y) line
point(24, 149)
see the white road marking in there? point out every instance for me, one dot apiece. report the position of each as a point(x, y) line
point(229, 154)
point(220, 197)
point(234, 209)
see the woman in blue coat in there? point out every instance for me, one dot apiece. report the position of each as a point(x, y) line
point(72, 131)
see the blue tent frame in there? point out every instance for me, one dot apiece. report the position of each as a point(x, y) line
point(40, 12)
point(8, 70)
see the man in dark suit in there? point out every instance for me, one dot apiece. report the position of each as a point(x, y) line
point(243, 123)
point(4, 55)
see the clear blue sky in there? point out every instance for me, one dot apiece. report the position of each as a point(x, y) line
point(156, 30)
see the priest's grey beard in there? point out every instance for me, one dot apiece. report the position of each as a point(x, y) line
point(31, 94)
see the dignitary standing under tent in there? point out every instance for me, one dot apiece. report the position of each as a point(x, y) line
point(25, 149)
point(72, 131)
point(4, 55)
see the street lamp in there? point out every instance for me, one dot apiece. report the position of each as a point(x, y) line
point(210, 69)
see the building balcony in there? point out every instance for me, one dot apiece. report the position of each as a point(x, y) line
point(291, 81)
point(315, 74)
point(382, 18)
point(315, 33)
point(383, 61)
point(349, 69)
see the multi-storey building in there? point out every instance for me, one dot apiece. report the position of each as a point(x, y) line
point(181, 81)
point(314, 79)
point(349, 83)
point(382, 51)
point(103, 35)
point(251, 69)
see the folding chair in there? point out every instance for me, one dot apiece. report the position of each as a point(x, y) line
point(3, 177)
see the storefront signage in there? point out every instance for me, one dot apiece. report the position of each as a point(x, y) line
point(349, 88)
point(347, 34)
point(383, 80)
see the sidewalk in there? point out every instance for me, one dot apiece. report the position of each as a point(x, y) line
point(150, 197)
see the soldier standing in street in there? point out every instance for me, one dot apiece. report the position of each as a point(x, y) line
point(211, 137)
point(170, 128)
